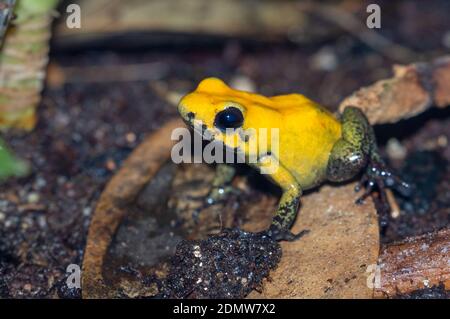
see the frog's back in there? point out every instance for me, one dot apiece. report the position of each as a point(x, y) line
point(293, 103)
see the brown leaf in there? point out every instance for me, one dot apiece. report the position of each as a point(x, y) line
point(413, 89)
point(331, 260)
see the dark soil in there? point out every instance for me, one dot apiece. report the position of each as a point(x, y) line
point(435, 292)
point(427, 167)
point(84, 133)
point(228, 265)
point(86, 129)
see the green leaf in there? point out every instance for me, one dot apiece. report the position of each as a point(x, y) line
point(35, 6)
point(10, 165)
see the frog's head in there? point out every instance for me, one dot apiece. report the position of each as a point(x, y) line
point(219, 113)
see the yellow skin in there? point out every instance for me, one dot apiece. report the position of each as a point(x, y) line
point(313, 144)
point(303, 149)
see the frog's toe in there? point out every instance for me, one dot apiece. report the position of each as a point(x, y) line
point(359, 185)
point(282, 234)
point(380, 177)
point(369, 187)
point(394, 182)
point(385, 178)
point(218, 196)
point(221, 195)
point(198, 211)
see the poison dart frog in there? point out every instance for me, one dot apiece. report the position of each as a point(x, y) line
point(315, 145)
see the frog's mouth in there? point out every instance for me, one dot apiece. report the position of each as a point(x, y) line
point(198, 126)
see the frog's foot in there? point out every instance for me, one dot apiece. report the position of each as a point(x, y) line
point(217, 195)
point(377, 175)
point(282, 234)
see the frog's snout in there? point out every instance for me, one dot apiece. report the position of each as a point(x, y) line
point(187, 115)
point(188, 118)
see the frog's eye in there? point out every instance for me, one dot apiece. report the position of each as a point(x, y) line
point(231, 117)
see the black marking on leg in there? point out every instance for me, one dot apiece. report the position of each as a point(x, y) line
point(282, 221)
point(286, 213)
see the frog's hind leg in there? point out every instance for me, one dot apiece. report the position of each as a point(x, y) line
point(350, 154)
point(357, 151)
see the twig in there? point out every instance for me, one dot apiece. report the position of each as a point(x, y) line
point(106, 73)
point(395, 209)
point(355, 27)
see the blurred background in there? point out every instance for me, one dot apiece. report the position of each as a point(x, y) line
point(115, 79)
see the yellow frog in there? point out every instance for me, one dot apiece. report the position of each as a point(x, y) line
point(313, 145)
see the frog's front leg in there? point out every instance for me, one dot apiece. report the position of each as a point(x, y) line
point(288, 205)
point(220, 188)
point(221, 185)
point(357, 151)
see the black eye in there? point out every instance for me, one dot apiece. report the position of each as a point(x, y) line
point(229, 118)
